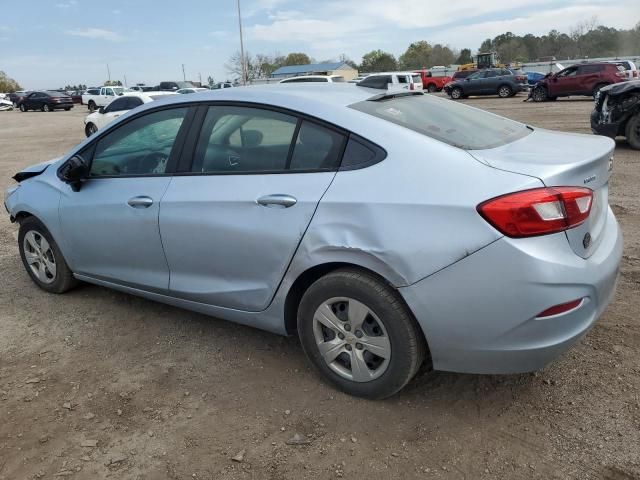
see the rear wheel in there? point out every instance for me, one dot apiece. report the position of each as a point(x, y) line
point(42, 258)
point(92, 106)
point(456, 93)
point(505, 91)
point(358, 333)
point(46, 108)
point(431, 88)
point(67, 109)
point(539, 94)
point(90, 129)
point(632, 131)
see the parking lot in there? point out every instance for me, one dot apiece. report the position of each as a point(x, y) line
point(98, 384)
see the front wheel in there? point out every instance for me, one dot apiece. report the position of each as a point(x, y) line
point(23, 107)
point(539, 94)
point(597, 88)
point(46, 108)
point(632, 131)
point(358, 333)
point(42, 258)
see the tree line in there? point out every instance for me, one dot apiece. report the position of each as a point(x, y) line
point(8, 85)
point(587, 39)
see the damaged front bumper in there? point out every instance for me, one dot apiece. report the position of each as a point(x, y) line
point(615, 105)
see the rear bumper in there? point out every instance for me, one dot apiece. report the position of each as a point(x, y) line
point(58, 106)
point(479, 314)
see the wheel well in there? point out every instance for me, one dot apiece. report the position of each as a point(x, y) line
point(306, 279)
point(20, 216)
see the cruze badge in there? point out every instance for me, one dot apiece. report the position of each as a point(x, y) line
point(589, 179)
point(586, 241)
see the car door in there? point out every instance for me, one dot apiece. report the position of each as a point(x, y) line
point(473, 83)
point(111, 112)
point(110, 226)
point(564, 83)
point(490, 82)
point(587, 78)
point(31, 100)
point(231, 224)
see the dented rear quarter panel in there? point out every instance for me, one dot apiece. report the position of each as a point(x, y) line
point(410, 215)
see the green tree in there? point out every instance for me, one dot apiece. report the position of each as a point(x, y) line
point(297, 59)
point(464, 57)
point(113, 83)
point(8, 85)
point(417, 55)
point(378, 61)
point(210, 81)
point(442, 55)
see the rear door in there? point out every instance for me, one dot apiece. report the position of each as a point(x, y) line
point(491, 81)
point(588, 77)
point(231, 224)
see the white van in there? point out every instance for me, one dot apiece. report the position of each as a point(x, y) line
point(392, 81)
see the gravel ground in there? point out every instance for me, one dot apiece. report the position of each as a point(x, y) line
point(96, 384)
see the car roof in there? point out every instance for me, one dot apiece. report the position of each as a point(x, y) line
point(407, 72)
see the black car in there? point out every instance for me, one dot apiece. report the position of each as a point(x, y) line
point(46, 100)
point(172, 86)
point(489, 81)
point(617, 112)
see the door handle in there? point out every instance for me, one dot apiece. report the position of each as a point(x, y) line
point(140, 201)
point(277, 200)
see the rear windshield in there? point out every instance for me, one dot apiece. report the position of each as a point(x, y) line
point(445, 120)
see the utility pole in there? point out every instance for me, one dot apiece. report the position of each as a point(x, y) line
point(242, 59)
point(184, 77)
point(200, 77)
point(125, 81)
point(108, 73)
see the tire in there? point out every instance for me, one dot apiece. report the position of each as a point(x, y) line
point(597, 88)
point(456, 93)
point(67, 109)
point(632, 131)
point(23, 108)
point(48, 268)
point(505, 91)
point(46, 108)
point(431, 88)
point(92, 106)
point(385, 321)
point(90, 129)
point(540, 94)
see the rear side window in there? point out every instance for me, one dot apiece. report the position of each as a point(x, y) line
point(587, 69)
point(316, 148)
point(360, 153)
point(446, 121)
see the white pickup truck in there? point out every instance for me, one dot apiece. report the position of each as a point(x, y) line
point(95, 98)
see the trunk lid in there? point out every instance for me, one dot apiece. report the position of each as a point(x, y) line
point(563, 159)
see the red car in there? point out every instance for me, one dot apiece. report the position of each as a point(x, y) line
point(431, 83)
point(583, 79)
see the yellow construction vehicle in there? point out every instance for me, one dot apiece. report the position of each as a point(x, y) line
point(483, 60)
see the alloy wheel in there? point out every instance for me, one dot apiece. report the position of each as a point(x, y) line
point(39, 256)
point(504, 91)
point(351, 339)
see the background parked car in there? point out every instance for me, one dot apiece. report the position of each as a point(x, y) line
point(121, 105)
point(46, 100)
point(630, 68)
point(433, 83)
point(16, 97)
point(617, 112)
point(315, 79)
point(95, 98)
point(192, 90)
point(489, 81)
point(393, 80)
point(172, 86)
point(534, 77)
point(583, 79)
point(220, 85)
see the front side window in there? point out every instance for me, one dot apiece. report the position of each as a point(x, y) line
point(446, 121)
point(139, 147)
point(239, 139)
point(569, 72)
point(117, 105)
point(108, 92)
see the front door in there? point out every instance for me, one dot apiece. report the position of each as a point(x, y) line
point(231, 225)
point(110, 226)
point(564, 83)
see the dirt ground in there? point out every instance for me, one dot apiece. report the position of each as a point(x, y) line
point(96, 384)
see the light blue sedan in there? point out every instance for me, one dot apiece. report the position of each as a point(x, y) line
point(387, 230)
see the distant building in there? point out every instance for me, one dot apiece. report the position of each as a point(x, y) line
point(343, 69)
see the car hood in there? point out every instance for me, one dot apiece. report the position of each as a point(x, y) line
point(34, 170)
point(616, 89)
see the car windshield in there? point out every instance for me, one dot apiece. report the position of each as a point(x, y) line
point(446, 121)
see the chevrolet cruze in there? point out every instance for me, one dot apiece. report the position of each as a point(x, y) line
point(387, 230)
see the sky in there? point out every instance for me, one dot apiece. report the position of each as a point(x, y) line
point(51, 43)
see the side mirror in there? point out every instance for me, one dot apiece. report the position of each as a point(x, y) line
point(73, 171)
point(101, 110)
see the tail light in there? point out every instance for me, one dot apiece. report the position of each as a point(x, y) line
point(539, 211)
